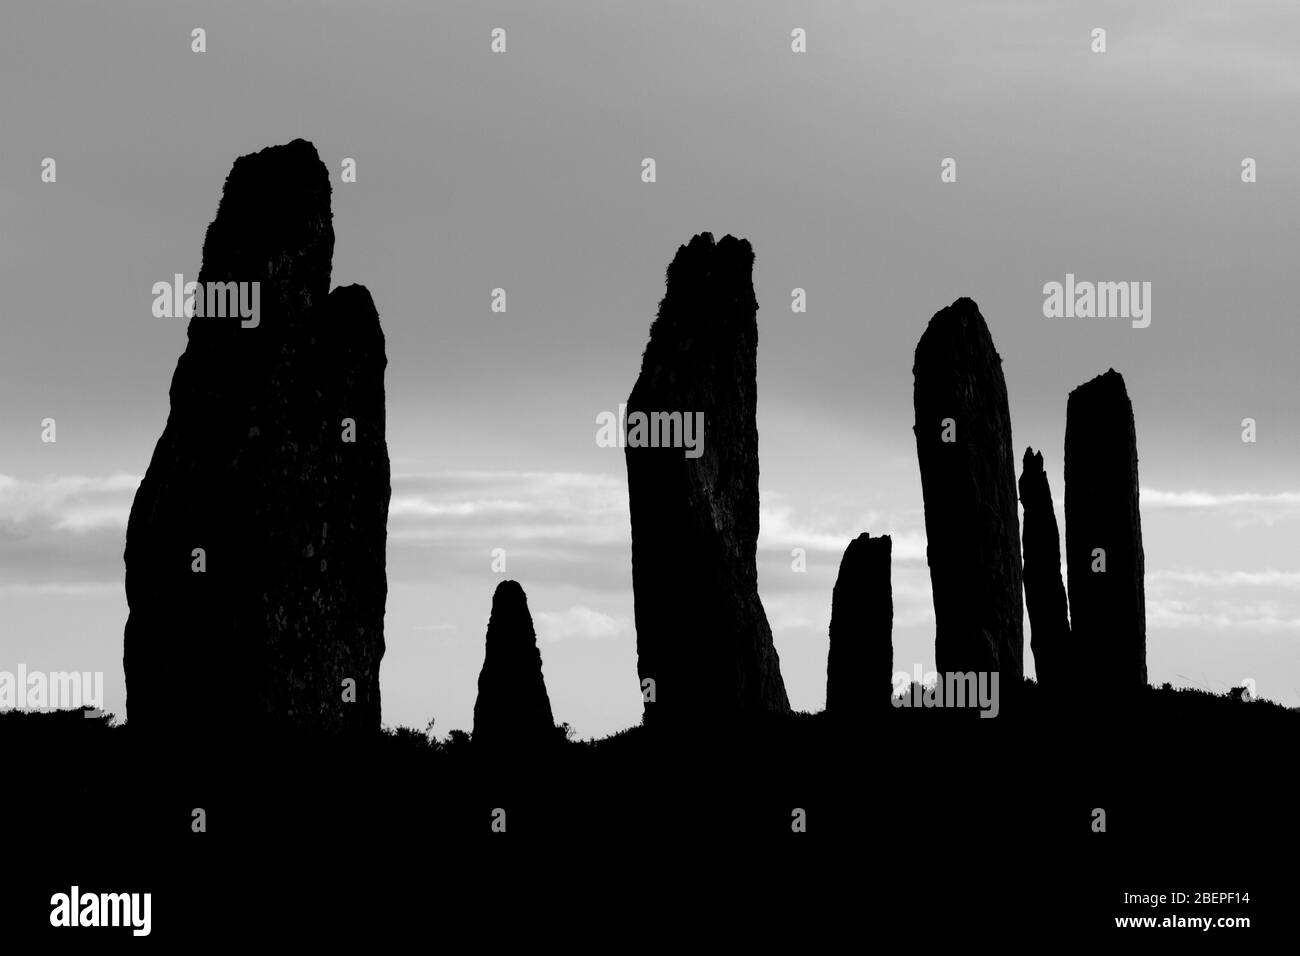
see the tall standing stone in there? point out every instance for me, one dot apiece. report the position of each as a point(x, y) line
point(968, 480)
point(702, 636)
point(860, 662)
point(512, 708)
point(1103, 534)
point(255, 550)
point(1049, 620)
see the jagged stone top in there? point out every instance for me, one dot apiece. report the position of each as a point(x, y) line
point(1107, 387)
point(863, 553)
point(274, 224)
point(958, 330)
point(1033, 461)
point(1091, 414)
point(1033, 479)
point(864, 543)
point(709, 289)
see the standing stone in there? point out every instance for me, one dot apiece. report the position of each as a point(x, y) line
point(283, 626)
point(968, 480)
point(1103, 528)
point(702, 636)
point(1049, 620)
point(512, 708)
point(861, 658)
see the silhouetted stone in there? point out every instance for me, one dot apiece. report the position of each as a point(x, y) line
point(702, 635)
point(861, 658)
point(512, 708)
point(1107, 608)
point(1049, 620)
point(253, 468)
point(969, 486)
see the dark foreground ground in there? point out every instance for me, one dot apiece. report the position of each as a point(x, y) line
point(919, 823)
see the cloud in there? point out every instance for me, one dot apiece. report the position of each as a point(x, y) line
point(65, 590)
point(64, 531)
point(1222, 579)
point(823, 533)
point(575, 528)
point(781, 528)
point(509, 507)
point(554, 527)
point(1223, 600)
point(72, 502)
point(579, 621)
point(572, 529)
point(558, 528)
point(1155, 498)
point(1180, 615)
point(1243, 508)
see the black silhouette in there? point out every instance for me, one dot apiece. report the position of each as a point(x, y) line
point(861, 656)
point(702, 636)
point(283, 626)
point(1049, 620)
point(1103, 530)
point(512, 708)
point(255, 469)
point(968, 479)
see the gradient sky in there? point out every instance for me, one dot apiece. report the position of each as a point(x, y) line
point(522, 171)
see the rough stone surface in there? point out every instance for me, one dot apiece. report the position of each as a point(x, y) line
point(252, 467)
point(512, 708)
point(1108, 609)
point(1049, 620)
point(860, 662)
point(969, 487)
point(702, 634)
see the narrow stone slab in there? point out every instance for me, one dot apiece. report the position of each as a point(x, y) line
point(703, 640)
point(968, 480)
point(860, 662)
point(1049, 620)
point(1103, 534)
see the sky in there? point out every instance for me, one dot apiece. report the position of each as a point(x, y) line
point(522, 171)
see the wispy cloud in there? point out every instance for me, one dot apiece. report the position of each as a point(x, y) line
point(1155, 498)
point(63, 535)
point(509, 507)
point(784, 526)
point(1227, 579)
point(64, 532)
point(1223, 600)
point(581, 622)
point(1243, 508)
point(64, 590)
point(574, 528)
point(1181, 615)
point(71, 502)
